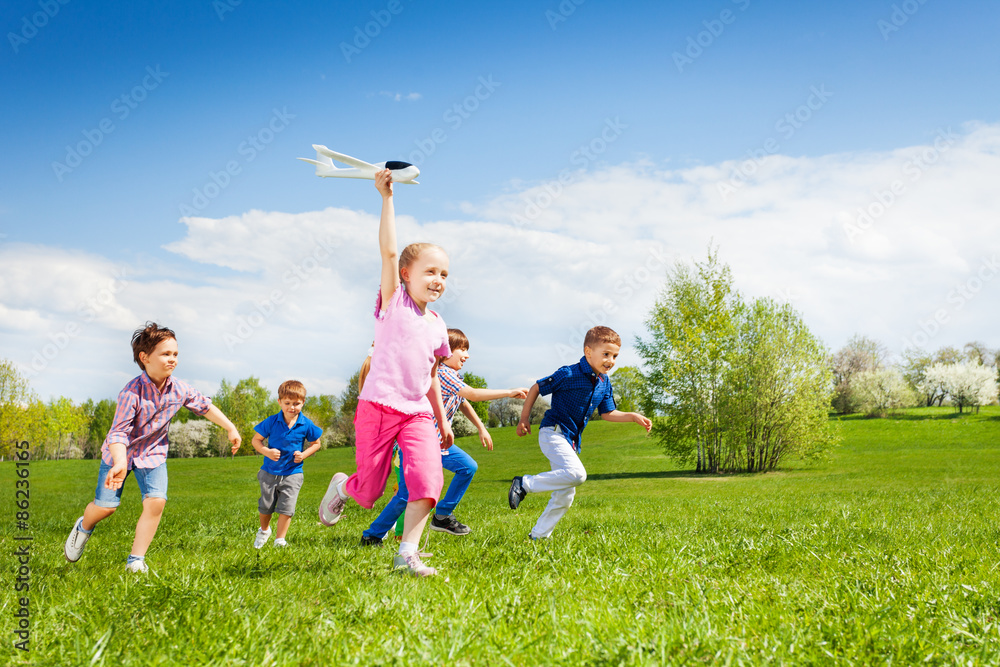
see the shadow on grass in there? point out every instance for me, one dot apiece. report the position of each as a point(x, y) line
point(658, 474)
point(936, 416)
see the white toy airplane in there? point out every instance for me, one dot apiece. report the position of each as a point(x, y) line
point(402, 172)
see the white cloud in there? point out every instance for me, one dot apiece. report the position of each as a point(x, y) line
point(532, 270)
point(399, 97)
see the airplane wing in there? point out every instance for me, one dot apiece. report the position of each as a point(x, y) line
point(346, 159)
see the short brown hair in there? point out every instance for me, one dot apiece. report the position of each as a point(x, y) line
point(411, 252)
point(602, 335)
point(145, 339)
point(457, 340)
point(292, 389)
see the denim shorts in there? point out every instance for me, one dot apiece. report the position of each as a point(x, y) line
point(152, 484)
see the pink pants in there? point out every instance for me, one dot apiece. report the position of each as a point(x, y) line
point(376, 427)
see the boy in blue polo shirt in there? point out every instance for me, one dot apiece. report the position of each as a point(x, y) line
point(577, 391)
point(280, 476)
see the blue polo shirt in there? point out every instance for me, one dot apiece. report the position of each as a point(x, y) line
point(289, 441)
point(576, 392)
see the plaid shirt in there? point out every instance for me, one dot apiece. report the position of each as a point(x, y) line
point(576, 392)
point(143, 416)
point(451, 384)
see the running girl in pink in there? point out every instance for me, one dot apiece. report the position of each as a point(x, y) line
point(401, 395)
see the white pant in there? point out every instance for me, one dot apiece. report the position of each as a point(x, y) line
point(567, 474)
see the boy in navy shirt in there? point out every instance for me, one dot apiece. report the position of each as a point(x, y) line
point(577, 391)
point(280, 476)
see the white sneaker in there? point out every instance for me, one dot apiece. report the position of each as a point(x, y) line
point(75, 543)
point(411, 564)
point(280, 542)
point(332, 505)
point(137, 566)
point(261, 538)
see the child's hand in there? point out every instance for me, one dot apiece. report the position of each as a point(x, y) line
point(486, 439)
point(235, 438)
point(272, 453)
point(520, 392)
point(383, 183)
point(298, 457)
point(116, 476)
point(447, 436)
point(523, 428)
point(639, 419)
point(235, 448)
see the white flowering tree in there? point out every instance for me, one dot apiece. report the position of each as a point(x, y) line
point(967, 384)
point(881, 392)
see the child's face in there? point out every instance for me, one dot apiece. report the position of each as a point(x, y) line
point(457, 359)
point(162, 361)
point(425, 278)
point(290, 407)
point(602, 356)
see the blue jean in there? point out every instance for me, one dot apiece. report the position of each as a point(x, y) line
point(152, 484)
point(456, 461)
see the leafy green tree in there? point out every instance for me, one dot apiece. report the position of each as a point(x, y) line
point(66, 423)
point(246, 404)
point(631, 394)
point(740, 386)
point(100, 417)
point(482, 408)
point(16, 396)
point(858, 355)
point(777, 390)
point(692, 328)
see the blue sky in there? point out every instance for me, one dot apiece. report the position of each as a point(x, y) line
point(494, 102)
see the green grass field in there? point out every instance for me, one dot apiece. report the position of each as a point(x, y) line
point(885, 554)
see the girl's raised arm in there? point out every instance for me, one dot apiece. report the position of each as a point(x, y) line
point(387, 238)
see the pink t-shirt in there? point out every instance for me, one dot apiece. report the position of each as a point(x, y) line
point(406, 346)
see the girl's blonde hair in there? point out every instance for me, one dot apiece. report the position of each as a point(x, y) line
point(411, 252)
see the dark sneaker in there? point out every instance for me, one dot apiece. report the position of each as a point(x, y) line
point(449, 524)
point(516, 493)
point(367, 541)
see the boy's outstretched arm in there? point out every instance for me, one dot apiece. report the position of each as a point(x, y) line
point(476, 395)
point(215, 416)
point(619, 416)
point(484, 435)
point(524, 425)
point(387, 238)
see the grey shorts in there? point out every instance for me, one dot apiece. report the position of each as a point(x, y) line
point(278, 493)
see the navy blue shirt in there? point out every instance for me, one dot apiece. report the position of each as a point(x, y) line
point(289, 441)
point(576, 392)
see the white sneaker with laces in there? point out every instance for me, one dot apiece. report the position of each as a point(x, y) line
point(261, 538)
point(280, 542)
point(75, 543)
point(410, 563)
point(137, 566)
point(332, 505)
